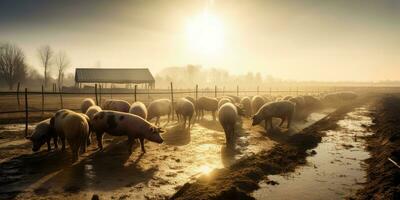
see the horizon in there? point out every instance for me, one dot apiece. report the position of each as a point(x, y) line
point(340, 41)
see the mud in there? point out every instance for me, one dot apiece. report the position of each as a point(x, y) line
point(383, 177)
point(242, 178)
point(112, 173)
point(336, 168)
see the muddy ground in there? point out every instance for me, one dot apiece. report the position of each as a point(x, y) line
point(383, 176)
point(113, 174)
point(242, 178)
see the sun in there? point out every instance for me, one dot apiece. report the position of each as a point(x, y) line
point(205, 34)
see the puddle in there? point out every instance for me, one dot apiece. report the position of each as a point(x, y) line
point(335, 172)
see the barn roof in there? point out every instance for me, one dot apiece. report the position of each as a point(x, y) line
point(113, 75)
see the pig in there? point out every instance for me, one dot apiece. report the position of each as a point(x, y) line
point(287, 97)
point(223, 101)
point(92, 110)
point(125, 124)
point(191, 99)
point(158, 108)
point(138, 108)
point(116, 105)
point(311, 102)
point(42, 134)
point(256, 103)
point(184, 109)
point(227, 116)
point(208, 104)
point(246, 103)
point(299, 102)
point(282, 109)
point(235, 99)
point(86, 103)
point(74, 128)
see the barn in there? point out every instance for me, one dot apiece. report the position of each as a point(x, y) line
point(111, 76)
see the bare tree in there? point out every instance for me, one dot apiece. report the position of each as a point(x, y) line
point(62, 63)
point(46, 55)
point(12, 64)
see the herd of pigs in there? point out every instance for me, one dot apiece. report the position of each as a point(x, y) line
point(119, 118)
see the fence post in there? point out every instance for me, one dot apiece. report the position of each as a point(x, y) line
point(61, 98)
point(95, 92)
point(135, 92)
point(197, 90)
point(258, 89)
point(172, 101)
point(42, 101)
point(270, 91)
point(215, 91)
point(100, 93)
point(18, 95)
point(223, 91)
point(26, 112)
point(297, 91)
point(237, 90)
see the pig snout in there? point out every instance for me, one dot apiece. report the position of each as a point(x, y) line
point(156, 137)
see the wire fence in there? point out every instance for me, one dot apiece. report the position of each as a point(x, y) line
point(25, 104)
point(12, 102)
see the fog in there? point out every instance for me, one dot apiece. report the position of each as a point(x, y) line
point(343, 41)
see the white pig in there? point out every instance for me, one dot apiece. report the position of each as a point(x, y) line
point(158, 108)
point(86, 103)
point(138, 108)
point(282, 109)
point(116, 105)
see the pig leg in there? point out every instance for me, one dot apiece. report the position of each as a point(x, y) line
point(48, 144)
point(130, 143)
point(289, 120)
point(99, 136)
point(158, 120)
point(282, 120)
point(142, 144)
point(55, 141)
point(227, 138)
point(83, 144)
point(213, 114)
point(266, 125)
point(62, 143)
point(232, 137)
point(270, 122)
point(184, 122)
point(190, 120)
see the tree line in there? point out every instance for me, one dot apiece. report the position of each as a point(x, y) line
point(14, 68)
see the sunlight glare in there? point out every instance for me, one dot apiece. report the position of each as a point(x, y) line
point(205, 169)
point(205, 34)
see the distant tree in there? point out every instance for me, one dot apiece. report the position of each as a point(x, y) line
point(46, 55)
point(12, 64)
point(62, 63)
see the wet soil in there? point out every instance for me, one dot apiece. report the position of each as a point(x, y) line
point(112, 173)
point(242, 178)
point(336, 168)
point(383, 176)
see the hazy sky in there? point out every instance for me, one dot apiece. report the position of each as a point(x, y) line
point(300, 40)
